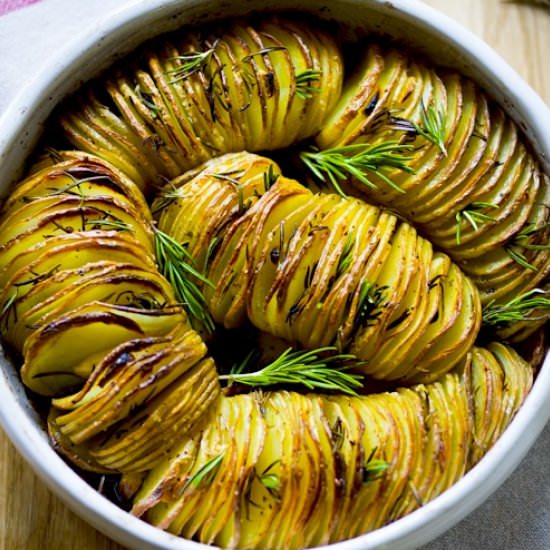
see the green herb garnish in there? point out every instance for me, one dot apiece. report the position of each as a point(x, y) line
point(176, 264)
point(312, 369)
point(473, 215)
point(271, 481)
point(147, 99)
point(336, 165)
point(523, 241)
point(373, 468)
point(368, 304)
point(304, 89)
point(263, 51)
point(191, 63)
point(432, 125)
point(346, 258)
point(269, 178)
point(206, 473)
point(517, 309)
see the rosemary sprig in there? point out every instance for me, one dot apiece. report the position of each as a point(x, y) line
point(263, 51)
point(115, 224)
point(166, 197)
point(304, 90)
point(346, 257)
point(270, 178)
point(517, 309)
point(213, 246)
point(473, 216)
point(238, 186)
point(373, 468)
point(338, 434)
point(370, 298)
point(205, 474)
point(9, 309)
point(147, 99)
point(75, 184)
point(191, 63)
point(433, 126)
point(525, 235)
point(271, 481)
point(358, 161)
point(515, 252)
point(176, 264)
point(433, 122)
point(312, 369)
point(523, 241)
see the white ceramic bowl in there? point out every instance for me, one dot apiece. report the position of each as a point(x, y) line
point(411, 22)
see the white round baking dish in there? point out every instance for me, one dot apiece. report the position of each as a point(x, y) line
point(410, 21)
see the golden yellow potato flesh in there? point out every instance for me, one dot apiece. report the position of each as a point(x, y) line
point(304, 470)
point(478, 194)
point(249, 85)
point(320, 270)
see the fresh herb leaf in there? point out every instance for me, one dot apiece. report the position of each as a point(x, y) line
point(515, 252)
point(526, 239)
point(374, 468)
point(304, 90)
point(346, 258)
point(263, 51)
point(206, 473)
point(9, 309)
point(147, 99)
point(191, 63)
point(369, 302)
point(238, 186)
point(432, 125)
point(517, 309)
point(269, 178)
point(473, 215)
point(176, 264)
point(312, 369)
point(271, 481)
point(357, 161)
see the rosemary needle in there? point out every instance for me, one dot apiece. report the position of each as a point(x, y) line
point(432, 125)
point(304, 89)
point(176, 265)
point(473, 216)
point(206, 473)
point(524, 241)
point(191, 63)
point(358, 161)
point(517, 309)
point(373, 468)
point(312, 369)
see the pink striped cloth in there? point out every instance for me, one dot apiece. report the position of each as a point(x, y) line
point(11, 5)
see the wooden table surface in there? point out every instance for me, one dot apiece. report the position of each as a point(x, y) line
point(31, 517)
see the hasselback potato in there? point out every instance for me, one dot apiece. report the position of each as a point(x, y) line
point(285, 470)
point(161, 242)
point(85, 305)
point(318, 270)
point(469, 181)
point(256, 85)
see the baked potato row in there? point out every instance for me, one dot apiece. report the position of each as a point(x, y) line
point(473, 186)
point(320, 270)
point(282, 470)
point(97, 325)
point(464, 177)
point(249, 85)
